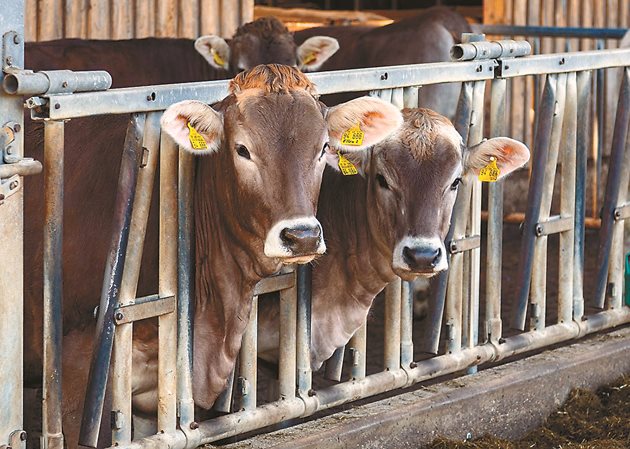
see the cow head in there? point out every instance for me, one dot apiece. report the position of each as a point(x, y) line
point(265, 41)
point(413, 178)
point(269, 139)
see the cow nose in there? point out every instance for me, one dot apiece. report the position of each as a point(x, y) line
point(422, 257)
point(302, 239)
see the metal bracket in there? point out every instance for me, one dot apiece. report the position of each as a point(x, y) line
point(11, 51)
point(553, 225)
point(464, 244)
point(9, 187)
point(16, 440)
point(147, 307)
point(622, 212)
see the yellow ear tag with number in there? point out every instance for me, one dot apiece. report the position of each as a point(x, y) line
point(490, 173)
point(353, 137)
point(346, 167)
point(218, 59)
point(196, 140)
point(309, 58)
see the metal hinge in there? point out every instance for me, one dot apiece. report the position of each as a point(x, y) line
point(12, 165)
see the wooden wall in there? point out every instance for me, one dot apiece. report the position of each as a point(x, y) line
point(126, 19)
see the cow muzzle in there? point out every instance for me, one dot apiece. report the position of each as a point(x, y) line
point(297, 240)
point(418, 256)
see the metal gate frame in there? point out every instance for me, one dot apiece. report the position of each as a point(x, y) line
point(566, 94)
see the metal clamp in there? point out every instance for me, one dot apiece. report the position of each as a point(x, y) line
point(554, 225)
point(622, 212)
point(464, 244)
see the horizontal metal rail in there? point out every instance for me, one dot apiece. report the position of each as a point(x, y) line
point(542, 31)
point(157, 98)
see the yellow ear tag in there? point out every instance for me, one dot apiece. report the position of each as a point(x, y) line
point(346, 167)
point(196, 140)
point(490, 173)
point(353, 137)
point(218, 59)
point(309, 58)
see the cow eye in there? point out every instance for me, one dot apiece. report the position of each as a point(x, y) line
point(382, 181)
point(242, 151)
point(324, 148)
point(456, 183)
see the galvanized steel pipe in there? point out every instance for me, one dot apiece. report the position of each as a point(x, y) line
point(27, 82)
point(490, 50)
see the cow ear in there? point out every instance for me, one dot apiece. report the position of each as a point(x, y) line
point(194, 126)
point(361, 123)
point(315, 51)
point(215, 50)
point(509, 155)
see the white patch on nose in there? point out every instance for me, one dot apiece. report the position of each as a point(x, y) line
point(275, 247)
point(399, 263)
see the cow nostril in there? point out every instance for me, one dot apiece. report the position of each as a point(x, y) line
point(437, 258)
point(300, 235)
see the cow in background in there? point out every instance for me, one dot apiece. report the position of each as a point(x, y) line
point(427, 37)
point(138, 62)
point(390, 220)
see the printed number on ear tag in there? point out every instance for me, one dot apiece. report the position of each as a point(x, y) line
point(346, 167)
point(218, 59)
point(196, 140)
point(353, 137)
point(309, 58)
point(490, 173)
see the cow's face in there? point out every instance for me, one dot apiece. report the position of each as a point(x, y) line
point(265, 41)
point(271, 138)
point(413, 179)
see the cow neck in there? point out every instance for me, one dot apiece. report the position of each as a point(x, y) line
point(226, 273)
point(358, 263)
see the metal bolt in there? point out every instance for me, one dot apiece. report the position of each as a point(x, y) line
point(14, 185)
point(539, 230)
point(22, 436)
point(507, 67)
point(57, 106)
point(119, 316)
point(384, 76)
point(16, 39)
point(312, 393)
point(561, 61)
point(9, 60)
point(17, 128)
point(617, 214)
point(9, 150)
point(413, 365)
point(194, 425)
point(64, 84)
point(480, 68)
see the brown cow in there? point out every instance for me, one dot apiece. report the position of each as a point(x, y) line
point(427, 37)
point(255, 200)
point(390, 221)
point(138, 62)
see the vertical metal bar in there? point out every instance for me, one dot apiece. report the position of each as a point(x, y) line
point(600, 101)
point(358, 348)
point(584, 118)
point(52, 435)
point(122, 352)
point(185, 286)
point(493, 325)
point(406, 325)
point(438, 308)
point(101, 357)
point(544, 117)
point(287, 356)
point(613, 189)
point(538, 293)
point(167, 281)
point(567, 201)
point(392, 325)
point(398, 97)
point(474, 265)
point(247, 360)
point(410, 97)
point(334, 365)
point(303, 337)
point(11, 248)
point(223, 403)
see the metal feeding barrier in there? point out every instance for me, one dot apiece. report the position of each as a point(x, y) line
point(560, 140)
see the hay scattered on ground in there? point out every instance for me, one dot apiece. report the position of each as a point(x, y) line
point(588, 420)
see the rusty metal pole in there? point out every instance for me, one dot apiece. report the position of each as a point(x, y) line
point(101, 357)
point(52, 436)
